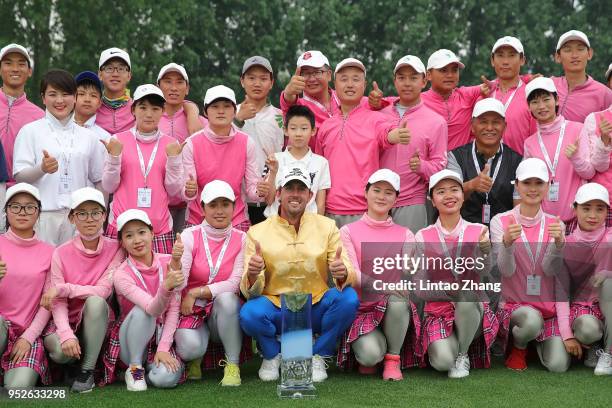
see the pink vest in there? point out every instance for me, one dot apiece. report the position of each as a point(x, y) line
point(222, 161)
point(605, 179)
point(116, 120)
point(126, 195)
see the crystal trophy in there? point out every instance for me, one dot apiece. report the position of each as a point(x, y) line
point(296, 345)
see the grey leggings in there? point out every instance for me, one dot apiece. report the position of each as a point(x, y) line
point(134, 335)
point(223, 326)
point(468, 321)
point(91, 336)
point(526, 324)
point(605, 304)
point(370, 349)
point(20, 377)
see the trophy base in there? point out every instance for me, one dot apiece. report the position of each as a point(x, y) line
point(296, 391)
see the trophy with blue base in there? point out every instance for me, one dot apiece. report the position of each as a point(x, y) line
point(296, 345)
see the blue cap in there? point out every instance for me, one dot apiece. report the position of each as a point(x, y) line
point(89, 76)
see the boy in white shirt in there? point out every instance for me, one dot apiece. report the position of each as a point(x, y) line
point(88, 100)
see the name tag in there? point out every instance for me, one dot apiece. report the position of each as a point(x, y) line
point(553, 191)
point(65, 184)
point(486, 213)
point(144, 197)
point(533, 285)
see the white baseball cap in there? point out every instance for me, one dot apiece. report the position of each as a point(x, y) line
point(573, 35)
point(132, 215)
point(147, 89)
point(592, 191)
point(19, 49)
point(441, 58)
point(445, 174)
point(544, 83)
point(387, 175)
point(608, 72)
point(313, 58)
point(114, 53)
point(509, 41)
point(172, 67)
point(84, 194)
point(411, 61)
point(219, 92)
point(295, 172)
point(22, 188)
point(532, 168)
point(216, 189)
point(488, 105)
point(350, 62)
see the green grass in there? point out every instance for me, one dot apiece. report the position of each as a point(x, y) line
point(495, 387)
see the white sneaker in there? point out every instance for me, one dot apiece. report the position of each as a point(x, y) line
point(319, 369)
point(269, 369)
point(592, 356)
point(461, 368)
point(134, 379)
point(604, 363)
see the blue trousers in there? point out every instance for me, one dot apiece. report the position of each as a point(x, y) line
point(331, 317)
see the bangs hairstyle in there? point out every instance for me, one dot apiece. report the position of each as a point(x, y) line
point(299, 111)
point(154, 100)
point(88, 84)
point(543, 92)
point(59, 79)
point(367, 188)
point(120, 233)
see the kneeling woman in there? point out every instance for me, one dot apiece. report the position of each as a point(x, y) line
point(380, 328)
point(528, 245)
point(213, 261)
point(81, 283)
point(146, 289)
point(24, 269)
point(457, 333)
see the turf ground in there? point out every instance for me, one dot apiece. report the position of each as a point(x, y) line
point(495, 387)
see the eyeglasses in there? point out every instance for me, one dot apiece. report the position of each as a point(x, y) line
point(95, 215)
point(318, 74)
point(109, 69)
point(29, 209)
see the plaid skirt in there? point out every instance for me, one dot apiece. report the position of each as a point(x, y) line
point(441, 327)
point(243, 226)
point(580, 309)
point(112, 349)
point(550, 329)
point(366, 322)
point(215, 351)
point(36, 359)
point(162, 243)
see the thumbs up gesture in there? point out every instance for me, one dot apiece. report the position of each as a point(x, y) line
point(191, 187)
point(296, 85)
point(49, 164)
point(605, 128)
point(177, 252)
point(174, 149)
point(415, 162)
point(256, 263)
point(337, 267)
point(247, 110)
point(483, 183)
point(556, 231)
point(375, 97)
point(114, 147)
point(484, 243)
point(2, 269)
point(487, 86)
point(272, 164)
point(512, 232)
point(571, 149)
point(175, 277)
point(401, 135)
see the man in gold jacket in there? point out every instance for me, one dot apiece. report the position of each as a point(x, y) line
point(289, 251)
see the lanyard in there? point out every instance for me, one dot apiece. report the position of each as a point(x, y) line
point(65, 149)
point(552, 166)
point(509, 101)
point(535, 258)
point(214, 270)
point(145, 172)
point(319, 105)
point(459, 241)
point(160, 272)
point(497, 166)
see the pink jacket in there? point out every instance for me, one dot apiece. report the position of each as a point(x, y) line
point(116, 120)
point(599, 153)
point(592, 96)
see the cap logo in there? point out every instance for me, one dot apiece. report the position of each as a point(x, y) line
point(307, 55)
point(295, 172)
point(115, 52)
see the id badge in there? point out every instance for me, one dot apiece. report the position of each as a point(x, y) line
point(553, 191)
point(533, 285)
point(144, 197)
point(486, 213)
point(65, 184)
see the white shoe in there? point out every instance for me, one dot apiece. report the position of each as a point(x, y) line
point(134, 379)
point(319, 369)
point(269, 369)
point(604, 363)
point(592, 357)
point(461, 368)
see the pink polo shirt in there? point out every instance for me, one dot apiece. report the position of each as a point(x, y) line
point(591, 96)
point(116, 120)
point(600, 154)
point(78, 273)
point(456, 110)
point(570, 173)
point(352, 145)
point(429, 134)
point(12, 119)
point(28, 262)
